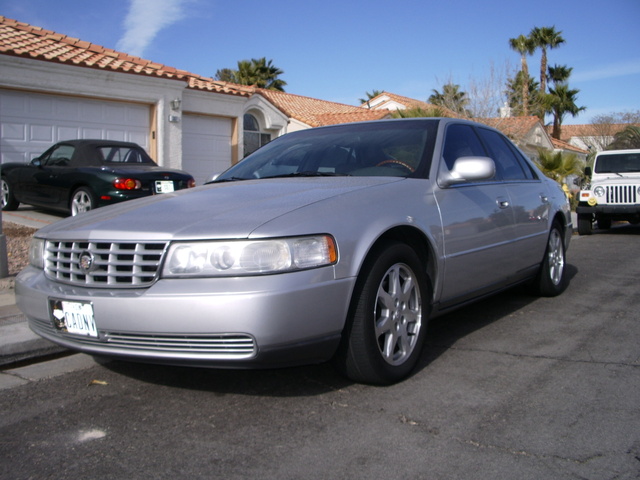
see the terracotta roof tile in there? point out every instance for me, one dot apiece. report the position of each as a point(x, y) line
point(559, 144)
point(589, 130)
point(513, 127)
point(412, 103)
point(315, 112)
point(23, 40)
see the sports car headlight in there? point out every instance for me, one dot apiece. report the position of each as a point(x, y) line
point(36, 252)
point(249, 257)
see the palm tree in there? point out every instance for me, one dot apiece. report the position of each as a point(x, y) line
point(371, 95)
point(559, 73)
point(543, 38)
point(627, 138)
point(558, 165)
point(524, 46)
point(451, 98)
point(256, 72)
point(560, 101)
point(514, 93)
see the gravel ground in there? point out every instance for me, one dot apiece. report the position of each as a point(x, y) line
point(18, 239)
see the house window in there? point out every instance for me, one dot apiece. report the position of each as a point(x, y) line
point(253, 137)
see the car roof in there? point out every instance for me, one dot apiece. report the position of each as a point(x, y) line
point(97, 143)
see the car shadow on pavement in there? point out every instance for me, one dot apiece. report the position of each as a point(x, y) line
point(312, 380)
point(443, 332)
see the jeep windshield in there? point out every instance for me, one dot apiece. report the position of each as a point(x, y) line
point(618, 163)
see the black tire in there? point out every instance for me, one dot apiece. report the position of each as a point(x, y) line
point(9, 202)
point(388, 317)
point(585, 223)
point(82, 201)
point(552, 276)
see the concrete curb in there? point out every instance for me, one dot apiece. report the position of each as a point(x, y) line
point(17, 342)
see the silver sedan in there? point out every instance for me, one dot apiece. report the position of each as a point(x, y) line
point(330, 243)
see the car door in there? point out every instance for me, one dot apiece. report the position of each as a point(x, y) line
point(43, 182)
point(477, 223)
point(527, 196)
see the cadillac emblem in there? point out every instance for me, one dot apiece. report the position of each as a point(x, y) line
point(85, 262)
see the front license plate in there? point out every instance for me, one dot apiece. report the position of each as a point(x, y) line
point(74, 317)
point(164, 186)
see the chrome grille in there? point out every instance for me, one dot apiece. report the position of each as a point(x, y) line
point(216, 346)
point(221, 346)
point(107, 264)
point(622, 194)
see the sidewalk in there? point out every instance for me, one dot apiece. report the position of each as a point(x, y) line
point(17, 342)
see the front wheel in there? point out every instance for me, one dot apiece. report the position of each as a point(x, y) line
point(585, 223)
point(388, 317)
point(82, 201)
point(552, 277)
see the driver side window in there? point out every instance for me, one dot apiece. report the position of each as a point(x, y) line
point(461, 141)
point(60, 157)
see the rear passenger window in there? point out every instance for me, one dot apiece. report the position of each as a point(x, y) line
point(508, 166)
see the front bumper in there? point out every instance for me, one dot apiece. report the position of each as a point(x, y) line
point(266, 321)
point(609, 209)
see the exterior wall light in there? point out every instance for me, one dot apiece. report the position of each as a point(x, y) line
point(175, 104)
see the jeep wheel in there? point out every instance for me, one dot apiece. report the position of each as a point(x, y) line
point(585, 221)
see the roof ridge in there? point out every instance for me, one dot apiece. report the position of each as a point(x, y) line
point(21, 39)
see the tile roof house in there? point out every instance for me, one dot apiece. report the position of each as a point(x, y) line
point(305, 112)
point(392, 101)
point(592, 137)
point(55, 87)
point(527, 132)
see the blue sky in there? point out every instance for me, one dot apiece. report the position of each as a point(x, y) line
point(338, 50)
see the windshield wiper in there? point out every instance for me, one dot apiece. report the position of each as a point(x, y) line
point(309, 174)
point(230, 179)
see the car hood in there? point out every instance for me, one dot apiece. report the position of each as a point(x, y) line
point(224, 210)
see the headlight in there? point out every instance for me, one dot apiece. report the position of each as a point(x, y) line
point(598, 191)
point(249, 257)
point(36, 252)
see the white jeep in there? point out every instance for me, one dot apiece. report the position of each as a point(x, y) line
point(613, 192)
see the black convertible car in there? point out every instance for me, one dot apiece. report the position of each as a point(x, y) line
point(80, 175)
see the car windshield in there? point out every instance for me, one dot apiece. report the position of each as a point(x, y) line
point(379, 148)
point(618, 163)
point(119, 154)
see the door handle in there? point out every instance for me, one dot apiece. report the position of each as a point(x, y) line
point(502, 202)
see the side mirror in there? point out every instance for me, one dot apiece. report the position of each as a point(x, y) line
point(36, 162)
point(468, 169)
point(587, 171)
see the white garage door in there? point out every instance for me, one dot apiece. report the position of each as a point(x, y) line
point(206, 146)
point(30, 122)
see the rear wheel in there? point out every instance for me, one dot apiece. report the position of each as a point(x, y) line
point(82, 201)
point(9, 201)
point(388, 317)
point(552, 277)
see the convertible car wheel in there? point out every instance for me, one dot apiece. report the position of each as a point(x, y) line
point(388, 318)
point(552, 278)
point(82, 201)
point(9, 202)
